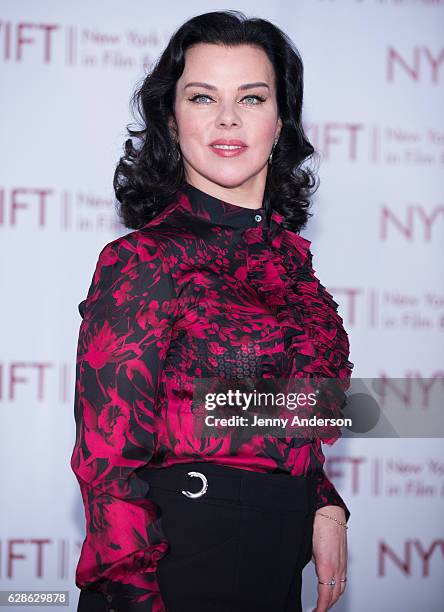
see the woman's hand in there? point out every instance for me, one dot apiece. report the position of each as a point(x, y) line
point(329, 555)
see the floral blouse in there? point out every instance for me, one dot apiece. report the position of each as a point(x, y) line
point(205, 289)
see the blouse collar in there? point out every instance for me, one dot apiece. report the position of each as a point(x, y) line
point(219, 212)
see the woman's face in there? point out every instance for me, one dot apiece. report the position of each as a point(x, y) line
point(222, 107)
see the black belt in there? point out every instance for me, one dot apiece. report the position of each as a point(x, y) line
point(207, 481)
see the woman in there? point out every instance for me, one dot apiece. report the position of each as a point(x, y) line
point(214, 283)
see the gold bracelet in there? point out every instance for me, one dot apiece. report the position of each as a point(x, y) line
point(333, 519)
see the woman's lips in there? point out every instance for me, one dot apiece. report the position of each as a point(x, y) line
point(228, 152)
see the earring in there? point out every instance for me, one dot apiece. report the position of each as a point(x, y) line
point(272, 151)
point(174, 154)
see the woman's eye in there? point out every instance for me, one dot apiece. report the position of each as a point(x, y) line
point(194, 98)
point(258, 98)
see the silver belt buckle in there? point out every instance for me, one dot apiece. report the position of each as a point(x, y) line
point(204, 485)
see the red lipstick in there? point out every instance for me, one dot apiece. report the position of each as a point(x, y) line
point(228, 147)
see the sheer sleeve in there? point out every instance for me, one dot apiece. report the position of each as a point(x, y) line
point(122, 344)
point(327, 494)
point(334, 353)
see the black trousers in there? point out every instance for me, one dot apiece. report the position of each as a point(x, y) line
point(239, 546)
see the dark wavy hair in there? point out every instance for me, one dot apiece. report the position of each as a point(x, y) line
point(147, 177)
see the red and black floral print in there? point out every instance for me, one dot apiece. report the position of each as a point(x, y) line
point(206, 289)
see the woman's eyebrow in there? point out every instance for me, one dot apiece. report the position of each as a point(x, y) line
point(241, 87)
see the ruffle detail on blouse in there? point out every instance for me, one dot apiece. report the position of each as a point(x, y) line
point(280, 267)
point(81, 308)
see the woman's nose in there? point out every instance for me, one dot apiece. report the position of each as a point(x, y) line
point(228, 115)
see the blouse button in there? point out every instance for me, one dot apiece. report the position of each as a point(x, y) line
point(258, 218)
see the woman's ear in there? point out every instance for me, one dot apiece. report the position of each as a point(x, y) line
point(278, 129)
point(172, 126)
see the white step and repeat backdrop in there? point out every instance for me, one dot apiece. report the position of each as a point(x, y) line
point(374, 100)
